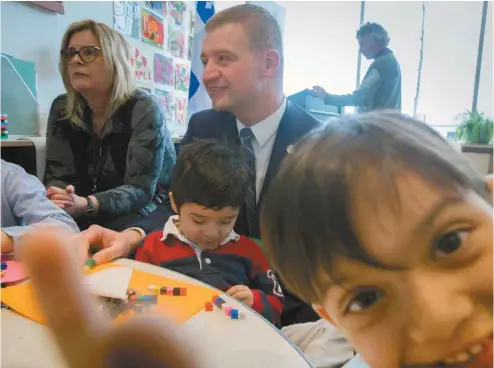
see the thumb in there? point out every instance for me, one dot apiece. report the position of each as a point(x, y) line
point(70, 189)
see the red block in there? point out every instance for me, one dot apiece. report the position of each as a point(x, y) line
point(208, 306)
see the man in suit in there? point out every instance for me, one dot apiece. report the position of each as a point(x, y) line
point(242, 54)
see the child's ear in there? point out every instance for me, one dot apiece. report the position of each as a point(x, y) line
point(172, 202)
point(322, 313)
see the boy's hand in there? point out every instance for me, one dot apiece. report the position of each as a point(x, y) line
point(242, 293)
point(84, 336)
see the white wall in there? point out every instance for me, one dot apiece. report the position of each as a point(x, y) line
point(40, 36)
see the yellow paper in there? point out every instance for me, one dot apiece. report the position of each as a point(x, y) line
point(21, 298)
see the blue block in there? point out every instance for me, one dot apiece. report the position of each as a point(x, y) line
point(4, 266)
point(234, 314)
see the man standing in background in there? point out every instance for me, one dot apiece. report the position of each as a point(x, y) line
point(381, 87)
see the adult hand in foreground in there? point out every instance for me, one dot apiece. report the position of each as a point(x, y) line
point(84, 336)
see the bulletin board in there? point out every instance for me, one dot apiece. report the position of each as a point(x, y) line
point(160, 33)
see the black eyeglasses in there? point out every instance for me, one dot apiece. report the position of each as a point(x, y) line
point(87, 53)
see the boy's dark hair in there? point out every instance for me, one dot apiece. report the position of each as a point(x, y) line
point(209, 174)
point(306, 216)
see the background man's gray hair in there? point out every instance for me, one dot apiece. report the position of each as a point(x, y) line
point(375, 30)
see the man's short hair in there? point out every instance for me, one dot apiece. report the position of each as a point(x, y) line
point(260, 26)
point(210, 174)
point(376, 30)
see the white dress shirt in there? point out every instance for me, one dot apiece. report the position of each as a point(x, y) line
point(265, 134)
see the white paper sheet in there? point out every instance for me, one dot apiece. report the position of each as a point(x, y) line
point(109, 283)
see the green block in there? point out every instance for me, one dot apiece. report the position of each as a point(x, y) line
point(90, 263)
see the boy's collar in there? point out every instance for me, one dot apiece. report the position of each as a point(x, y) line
point(172, 227)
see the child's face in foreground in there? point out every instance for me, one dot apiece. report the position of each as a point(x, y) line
point(206, 227)
point(438, 307)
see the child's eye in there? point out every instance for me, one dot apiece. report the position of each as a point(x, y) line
point(364, 300)
point(450, 242)
point(226, 222)
point(198, 222)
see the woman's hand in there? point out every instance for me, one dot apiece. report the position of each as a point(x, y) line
point(67, 200)
point(61, 197)
point(85, 337)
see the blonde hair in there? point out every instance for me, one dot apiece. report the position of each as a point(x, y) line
point(116, 52)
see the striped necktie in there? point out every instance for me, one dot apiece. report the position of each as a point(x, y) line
point(246, 137)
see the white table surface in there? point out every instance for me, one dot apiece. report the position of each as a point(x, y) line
point(250, 342)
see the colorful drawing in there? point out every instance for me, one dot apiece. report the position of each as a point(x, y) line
point(160, 7)
point(167, 102)
point(181, 110)
point(177, 11)
point(182, 77)
point(152, 31)
point(126, 18)
point(141, 62)
point(163, 70)
point(176, 40)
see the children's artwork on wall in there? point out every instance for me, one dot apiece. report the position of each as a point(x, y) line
point(182, 77)
point(126, 18)
point(141, 62)
point(163, 70)
point(177, 11)
point(161, 35)
point(167, 103)
point(177, 29)
point(181, 110)
point(160, 7)
point(152, 31)
point(176, 40)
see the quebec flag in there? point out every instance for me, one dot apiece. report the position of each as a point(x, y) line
point(198, 97)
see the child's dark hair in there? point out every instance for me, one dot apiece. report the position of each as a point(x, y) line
point(306, 216)
point(209, 174)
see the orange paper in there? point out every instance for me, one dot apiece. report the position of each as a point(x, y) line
point(21, 298)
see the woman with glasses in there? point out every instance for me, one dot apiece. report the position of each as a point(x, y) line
point(109, 152)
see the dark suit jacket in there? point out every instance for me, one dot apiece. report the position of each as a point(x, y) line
point(222, 126)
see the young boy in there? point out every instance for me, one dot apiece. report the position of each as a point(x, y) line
point(209, 186)
point(386, 229)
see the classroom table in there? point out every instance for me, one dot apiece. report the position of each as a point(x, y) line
point(245, 343)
